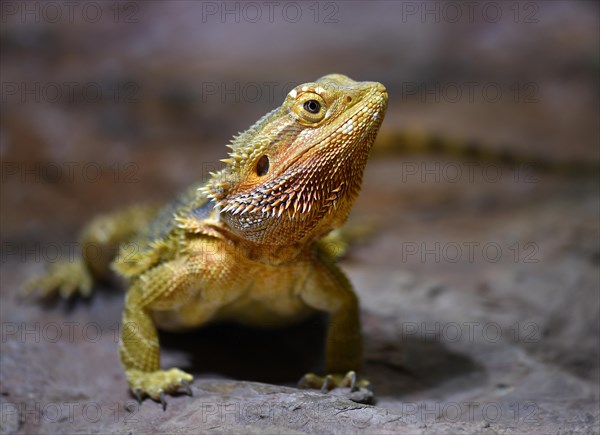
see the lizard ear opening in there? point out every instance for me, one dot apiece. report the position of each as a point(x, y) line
point(262, 167)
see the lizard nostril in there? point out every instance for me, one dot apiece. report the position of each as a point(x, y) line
point(348, 99)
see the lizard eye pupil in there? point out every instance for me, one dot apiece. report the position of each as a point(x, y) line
point(262, 167)
point(312, 106)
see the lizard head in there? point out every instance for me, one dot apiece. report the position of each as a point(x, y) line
point(294, 174)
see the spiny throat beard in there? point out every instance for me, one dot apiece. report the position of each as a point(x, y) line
point(316, 194)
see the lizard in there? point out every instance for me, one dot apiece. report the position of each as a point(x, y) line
point(252, 244)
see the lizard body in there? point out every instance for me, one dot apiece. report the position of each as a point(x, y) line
point(248, 244)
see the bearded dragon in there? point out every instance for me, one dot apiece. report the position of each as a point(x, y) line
point(250, 244)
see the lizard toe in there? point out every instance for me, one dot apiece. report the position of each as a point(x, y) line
point(158, 383)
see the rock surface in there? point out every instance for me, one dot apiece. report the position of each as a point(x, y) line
point(489, 343)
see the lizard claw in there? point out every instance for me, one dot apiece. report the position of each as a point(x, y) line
point(158, 384)
point(162, 400)
point(138, 395)
point(329, 382)
point(187, 388)
point(326, 381)
point(65, 279)
point(352, 376)
point(360, 390)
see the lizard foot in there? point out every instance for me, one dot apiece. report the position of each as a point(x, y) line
point(360, 389)
point(157, 384)
point(64, 278)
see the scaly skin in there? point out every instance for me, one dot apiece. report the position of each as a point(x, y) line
point(250, 244)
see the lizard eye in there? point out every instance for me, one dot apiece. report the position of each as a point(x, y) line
point(312, 106)
point(309, 108)
point(262, 166)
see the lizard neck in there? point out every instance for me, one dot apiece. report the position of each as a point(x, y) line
point(273, 255)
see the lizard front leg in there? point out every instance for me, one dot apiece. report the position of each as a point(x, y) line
point(166, 286)
point(172, 291)
point(329, 290)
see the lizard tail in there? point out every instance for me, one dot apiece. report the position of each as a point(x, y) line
point(407, 142)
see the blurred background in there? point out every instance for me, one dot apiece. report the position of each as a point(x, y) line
point(108, 103)
point(162, 86)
